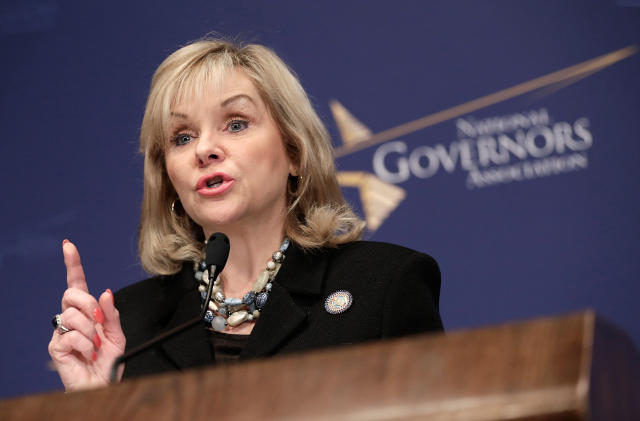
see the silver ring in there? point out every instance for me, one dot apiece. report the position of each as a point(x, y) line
point(57, 324)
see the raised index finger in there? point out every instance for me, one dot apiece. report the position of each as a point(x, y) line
point(75, 273)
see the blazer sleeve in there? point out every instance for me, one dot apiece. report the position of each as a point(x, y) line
point(412, 299)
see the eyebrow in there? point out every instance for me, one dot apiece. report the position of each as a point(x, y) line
point(234, 98)
point(224, 103)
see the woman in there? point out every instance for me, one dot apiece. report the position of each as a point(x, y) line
point(232, 144)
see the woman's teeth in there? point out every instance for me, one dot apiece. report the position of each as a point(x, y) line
point(214, 182)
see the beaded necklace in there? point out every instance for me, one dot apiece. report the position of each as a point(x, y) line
point(224, 311)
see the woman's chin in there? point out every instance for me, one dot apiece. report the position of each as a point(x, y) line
point(220, 223)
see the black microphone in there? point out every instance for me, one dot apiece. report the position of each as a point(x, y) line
point(215, 258)
point(216, 255)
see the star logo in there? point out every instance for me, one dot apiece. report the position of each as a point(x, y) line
point(379, 198)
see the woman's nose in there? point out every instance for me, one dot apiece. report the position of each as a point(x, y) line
point(208, 149)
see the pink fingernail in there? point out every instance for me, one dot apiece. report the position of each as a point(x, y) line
point(98, 315)
point(96, 341)
point(108, 291)
point(65, 241)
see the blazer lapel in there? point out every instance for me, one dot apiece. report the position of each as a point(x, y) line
point(301, 274)
point(191, 347)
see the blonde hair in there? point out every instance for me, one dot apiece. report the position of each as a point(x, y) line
point(317, 214)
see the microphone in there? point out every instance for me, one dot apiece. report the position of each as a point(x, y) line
point(215, 258)
point(216, 254)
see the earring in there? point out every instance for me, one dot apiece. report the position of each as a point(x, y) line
point(173, 205)
point(294, 180)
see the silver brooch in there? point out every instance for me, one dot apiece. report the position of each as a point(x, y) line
point(338, 302)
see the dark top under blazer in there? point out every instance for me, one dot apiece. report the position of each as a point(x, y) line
point(395, 292)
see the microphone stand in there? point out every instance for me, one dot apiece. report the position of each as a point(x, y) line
point(113, 378)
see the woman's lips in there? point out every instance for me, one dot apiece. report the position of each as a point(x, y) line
point(214, 184)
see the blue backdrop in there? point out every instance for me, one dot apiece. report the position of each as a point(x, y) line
point(500, 137)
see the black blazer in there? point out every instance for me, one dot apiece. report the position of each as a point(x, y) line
point(395, 292)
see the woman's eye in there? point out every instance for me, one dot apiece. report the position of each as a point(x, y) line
point(181, 139)
point(237, 125)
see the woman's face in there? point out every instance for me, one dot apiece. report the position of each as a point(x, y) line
point(226, 158)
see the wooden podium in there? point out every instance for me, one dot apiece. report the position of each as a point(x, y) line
point(573, 367)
